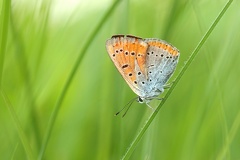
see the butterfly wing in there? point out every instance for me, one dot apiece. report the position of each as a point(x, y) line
point(161, 61)
point(145, 64)
point(129, 56)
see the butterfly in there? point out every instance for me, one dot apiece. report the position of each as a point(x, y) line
point(145, 64)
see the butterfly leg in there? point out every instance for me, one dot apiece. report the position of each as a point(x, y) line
point(159, 99)
point(167, 86)
point(150, 107)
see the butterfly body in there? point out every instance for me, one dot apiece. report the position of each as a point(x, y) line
point(145, 64)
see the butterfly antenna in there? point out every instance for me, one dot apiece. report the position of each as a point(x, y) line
point(127, 105)
point(127, 109)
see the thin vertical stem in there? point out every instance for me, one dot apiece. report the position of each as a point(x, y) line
point(4, 19)
point(175, 82)
point(71, 76)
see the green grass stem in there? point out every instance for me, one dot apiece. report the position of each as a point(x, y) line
point(21, 54)
point(18, 126)
point(71, 76)
point(175, 82)
point(231, 136)
point(4, 19)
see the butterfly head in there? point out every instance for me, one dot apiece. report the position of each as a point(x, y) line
point(143, 100)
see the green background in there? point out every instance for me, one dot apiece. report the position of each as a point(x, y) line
point(200, 119)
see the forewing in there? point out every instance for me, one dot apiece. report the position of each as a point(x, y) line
point(129, 56)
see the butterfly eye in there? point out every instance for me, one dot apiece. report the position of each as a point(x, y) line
point(140, 100)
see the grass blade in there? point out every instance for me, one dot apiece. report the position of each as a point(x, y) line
point(192, 56)
point(233, 131)
point(4, 19)
point(23, 63)
point(18, 126)
point(71, 76)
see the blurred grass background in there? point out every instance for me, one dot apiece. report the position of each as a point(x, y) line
point(200, 120)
